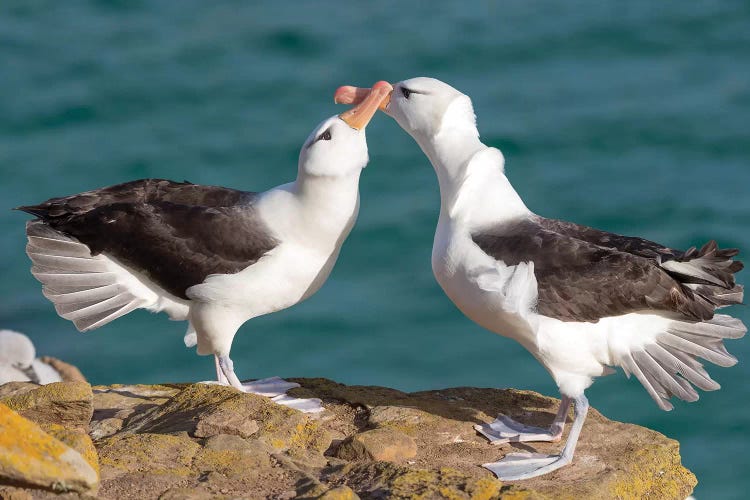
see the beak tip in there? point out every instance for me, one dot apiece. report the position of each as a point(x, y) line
point(382, 84)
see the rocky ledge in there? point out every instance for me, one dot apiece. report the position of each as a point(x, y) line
point(194, 441)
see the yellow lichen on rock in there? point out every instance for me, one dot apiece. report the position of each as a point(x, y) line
point(63, 403)
point(30, 456)
point(384, 443)
point(208, 441)
point(340, 493)
point(655, 472)
point(155, 453)
point(79, 441)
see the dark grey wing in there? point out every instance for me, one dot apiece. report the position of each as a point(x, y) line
point(141, 191)
point(176, 245)
point(627, 244)
point(580, 281)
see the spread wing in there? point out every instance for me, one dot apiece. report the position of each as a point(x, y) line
point(175, 233)
point(581, 281)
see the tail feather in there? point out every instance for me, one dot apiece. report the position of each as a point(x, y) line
point(687, 367)
point(665, 383)
point(708, 266)
point(668, 366)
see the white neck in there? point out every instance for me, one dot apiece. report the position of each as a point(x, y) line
point(329, 203)
point(317, 212)
point(473, 185)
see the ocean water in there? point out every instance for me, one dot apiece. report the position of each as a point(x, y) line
point(629, 116)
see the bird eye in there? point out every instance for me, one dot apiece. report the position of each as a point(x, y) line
point(325, 136)
point(406, 92)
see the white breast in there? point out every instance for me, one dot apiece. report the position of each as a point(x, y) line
point(497, 297)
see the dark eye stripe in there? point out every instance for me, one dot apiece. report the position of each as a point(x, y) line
point(406, 92)
point(325, 136)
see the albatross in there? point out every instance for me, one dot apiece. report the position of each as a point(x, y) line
point(213, 256)
point(581, 300)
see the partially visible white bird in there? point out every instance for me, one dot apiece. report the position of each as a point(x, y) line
point(18, 361)
point(579, 299)
point(214, 256)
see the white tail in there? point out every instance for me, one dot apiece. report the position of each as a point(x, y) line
point(668, 365)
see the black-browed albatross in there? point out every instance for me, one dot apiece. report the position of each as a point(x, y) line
point(579, 299)
point(213, 256)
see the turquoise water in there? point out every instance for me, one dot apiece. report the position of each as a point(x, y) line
point(623, 115)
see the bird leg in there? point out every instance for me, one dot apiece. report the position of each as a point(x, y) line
point(515, 466)
point(227, 369)
point(506, 430)
point(273, 387)
point(220, 378)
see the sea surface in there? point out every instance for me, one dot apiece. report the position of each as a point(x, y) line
point(633, 117)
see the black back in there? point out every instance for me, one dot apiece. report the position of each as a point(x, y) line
point(584, 274)
point(176, 233)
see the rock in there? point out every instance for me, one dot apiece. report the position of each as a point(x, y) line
point(370, 480)
point(340, 493)
point(113, 404)
point(62, 403)
point(147, 454)
point(76, 439)
point(283, 428)
point(195, 441)
point(14, 494)
point(68, 372)
point(320, 492)
point(37, 459)
point(225, 422)
point(233, 456)
point(16, 388)
point(378, 444)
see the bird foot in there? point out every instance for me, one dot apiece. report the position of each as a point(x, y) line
point(275, 388)
point(506, 430)
point(305, 405)
point(517, 466)
point(271, 386)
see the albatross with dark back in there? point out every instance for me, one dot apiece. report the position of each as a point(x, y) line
point(579, 299)
point(213, 256)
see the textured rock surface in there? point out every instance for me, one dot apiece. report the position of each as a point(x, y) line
point(207, 441)
point(378, 444)
point(30, 456)
point(61, 403)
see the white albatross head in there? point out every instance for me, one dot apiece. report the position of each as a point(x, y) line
point(424, 107)
point(338, 146)
point(16, 349)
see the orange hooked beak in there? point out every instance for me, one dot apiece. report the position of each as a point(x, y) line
point(367, 102)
